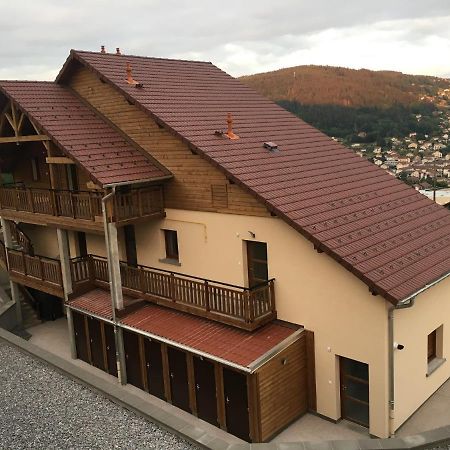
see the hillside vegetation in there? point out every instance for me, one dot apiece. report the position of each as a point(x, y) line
point(318, 85)
point(357, 105)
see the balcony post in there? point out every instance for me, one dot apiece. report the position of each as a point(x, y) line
point(207, 305)
point(15, 295)
point(272, 296)
point(64, 257)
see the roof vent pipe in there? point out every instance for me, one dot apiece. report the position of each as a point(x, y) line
point(118, 51)
point(102, 49)
point(130, 79)
point(230, 133)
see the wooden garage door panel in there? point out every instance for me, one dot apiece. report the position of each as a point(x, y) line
point(179, 385)
point(205, 390)
point(236, 404)
point(154, 368)
point(133, 359)
point(80, 336)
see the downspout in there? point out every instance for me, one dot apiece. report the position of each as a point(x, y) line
point(408, 304)
point(112, 286)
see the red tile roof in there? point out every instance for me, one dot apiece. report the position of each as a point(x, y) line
point(81, 134)
point(200, 335)
point(390, 236)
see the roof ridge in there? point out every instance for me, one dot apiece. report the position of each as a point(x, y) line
point(28, 81)
point(140, 56)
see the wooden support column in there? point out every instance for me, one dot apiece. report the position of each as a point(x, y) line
point(15, 294)
point(51, 167)
point(64, 257)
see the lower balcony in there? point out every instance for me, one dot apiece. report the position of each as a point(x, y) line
point(234, 305)
point(37, 272)
point(79, 209)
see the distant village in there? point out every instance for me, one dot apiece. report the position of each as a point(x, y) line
point(421, 161)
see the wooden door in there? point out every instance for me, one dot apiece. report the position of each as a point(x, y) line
point(236, 404)
point(355, 391)
point(154, 368)
point(110, 349)
point(179, 384)
point(130, 244)
point(96, 343)
point(80, 336)
point(205, 390)
point(133, 359)
point(258, 271)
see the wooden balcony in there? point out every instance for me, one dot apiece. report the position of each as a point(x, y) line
point(79, 209)
point(233, 305)
point(37, 272)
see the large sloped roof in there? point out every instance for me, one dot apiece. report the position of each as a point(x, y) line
point(392, 237)
point(81, 134)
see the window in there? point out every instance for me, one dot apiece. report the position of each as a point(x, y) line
point(35, 169)
point(435, 356)
point(432, 346)
point(171, 240)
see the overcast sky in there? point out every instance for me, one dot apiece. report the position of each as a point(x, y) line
point(240, 36)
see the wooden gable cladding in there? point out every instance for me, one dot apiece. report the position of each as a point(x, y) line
point(194, 178)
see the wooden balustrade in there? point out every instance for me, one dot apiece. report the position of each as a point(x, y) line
point(244, 307)
point(39, 271)
point(84, 205)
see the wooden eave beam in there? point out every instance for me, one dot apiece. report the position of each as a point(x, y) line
point(31, 138)
point(58, 160)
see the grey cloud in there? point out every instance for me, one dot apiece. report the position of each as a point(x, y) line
point(40, 33)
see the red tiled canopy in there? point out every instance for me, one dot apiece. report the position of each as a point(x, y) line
point(201, 335)
point(81, 134)
point(389, 235)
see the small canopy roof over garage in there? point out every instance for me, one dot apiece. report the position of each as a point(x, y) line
point(241, 349)
point(81, 134)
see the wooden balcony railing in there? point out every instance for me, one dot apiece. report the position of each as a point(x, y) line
point(85, 205)
point(235, 305)
point(36, 271)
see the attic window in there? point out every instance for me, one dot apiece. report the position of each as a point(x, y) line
point(271, 146)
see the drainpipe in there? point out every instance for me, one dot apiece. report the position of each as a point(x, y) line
point(118, 340)
point(404, 305)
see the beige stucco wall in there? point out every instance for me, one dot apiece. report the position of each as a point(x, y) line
point(311, 289)
point(411, 328)
point(44, 240)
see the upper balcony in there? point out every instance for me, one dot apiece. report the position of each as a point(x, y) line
point(80, 210)
point(242, 307)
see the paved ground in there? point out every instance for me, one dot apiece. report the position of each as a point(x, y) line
point(42, 409)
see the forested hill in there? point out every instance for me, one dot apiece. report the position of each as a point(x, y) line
point(318, 85)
